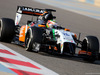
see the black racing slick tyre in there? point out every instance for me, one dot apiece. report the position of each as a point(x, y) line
point(91, 44)
point(7, 29)
point(33, 38)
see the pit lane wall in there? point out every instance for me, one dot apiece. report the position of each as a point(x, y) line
point(94, 2)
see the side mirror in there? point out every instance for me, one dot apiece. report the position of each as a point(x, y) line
point(67, 29)
point(41, 25)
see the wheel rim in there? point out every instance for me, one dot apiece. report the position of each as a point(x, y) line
point(34, 45)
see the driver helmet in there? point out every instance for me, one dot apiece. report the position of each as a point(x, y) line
point(51, 23)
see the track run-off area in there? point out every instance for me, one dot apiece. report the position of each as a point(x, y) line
point(23, 62)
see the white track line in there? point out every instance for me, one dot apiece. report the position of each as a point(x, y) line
point(24, 68)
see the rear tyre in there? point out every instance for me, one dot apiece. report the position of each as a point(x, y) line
point(7, 29)
point(91, 44)
point(33, 39)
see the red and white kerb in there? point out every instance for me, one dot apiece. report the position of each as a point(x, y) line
point(20, 64)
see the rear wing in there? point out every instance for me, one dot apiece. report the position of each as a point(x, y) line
point(30, 11)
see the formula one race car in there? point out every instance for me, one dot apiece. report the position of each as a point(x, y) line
point(45, 34)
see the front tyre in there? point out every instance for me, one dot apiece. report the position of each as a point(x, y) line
point(33, 39)
point(91, 44)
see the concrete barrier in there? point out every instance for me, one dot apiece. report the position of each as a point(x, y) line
point(94, 2)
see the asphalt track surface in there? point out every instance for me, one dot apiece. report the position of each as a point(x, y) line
point(64, 65)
